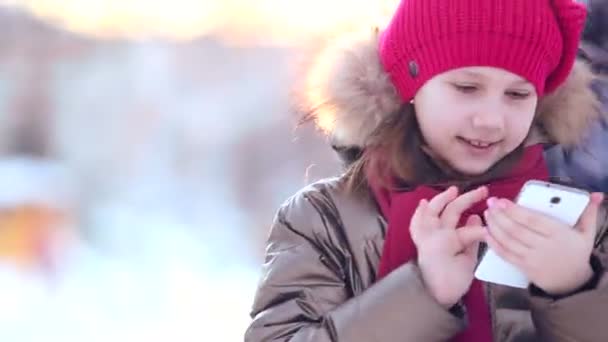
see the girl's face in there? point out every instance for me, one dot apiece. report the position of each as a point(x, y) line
point(472, 117)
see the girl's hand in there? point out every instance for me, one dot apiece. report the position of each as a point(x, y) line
point(554, 256)
point(447, 256)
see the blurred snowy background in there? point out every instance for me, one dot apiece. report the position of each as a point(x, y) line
point(145, 146)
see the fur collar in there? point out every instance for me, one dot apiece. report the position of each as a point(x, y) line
point(347, 93)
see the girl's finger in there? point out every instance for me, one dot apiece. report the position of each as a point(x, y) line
point(453, 211)
point(504, 253)
point(474, 220)
point(499, 232)
point(587, 224)
point(470, 235)
point(538, 222)
point(438, 203)
point(523, 234)
point(418, 219)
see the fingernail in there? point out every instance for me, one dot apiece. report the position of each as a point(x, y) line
point(491, 202)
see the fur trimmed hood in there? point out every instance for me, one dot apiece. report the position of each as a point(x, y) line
point(347, 93)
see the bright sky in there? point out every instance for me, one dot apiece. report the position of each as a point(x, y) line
point(243, 20)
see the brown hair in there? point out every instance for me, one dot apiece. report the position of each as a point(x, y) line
point(397, 157)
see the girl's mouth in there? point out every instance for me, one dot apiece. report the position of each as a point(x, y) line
point(478, 146)
point(477, 143)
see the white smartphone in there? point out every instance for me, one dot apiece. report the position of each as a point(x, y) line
point(561, 202)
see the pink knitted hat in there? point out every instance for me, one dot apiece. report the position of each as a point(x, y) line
point(535, 39)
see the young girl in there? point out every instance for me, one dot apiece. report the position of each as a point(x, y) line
point(441, 118)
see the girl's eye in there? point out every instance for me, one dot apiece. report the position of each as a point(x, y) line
point(518, 95)
point(465, 88)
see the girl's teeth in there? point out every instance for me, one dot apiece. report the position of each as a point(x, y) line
point(478, 143)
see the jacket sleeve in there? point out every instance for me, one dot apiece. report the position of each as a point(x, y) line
point(304, 294)
point(582, 316)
